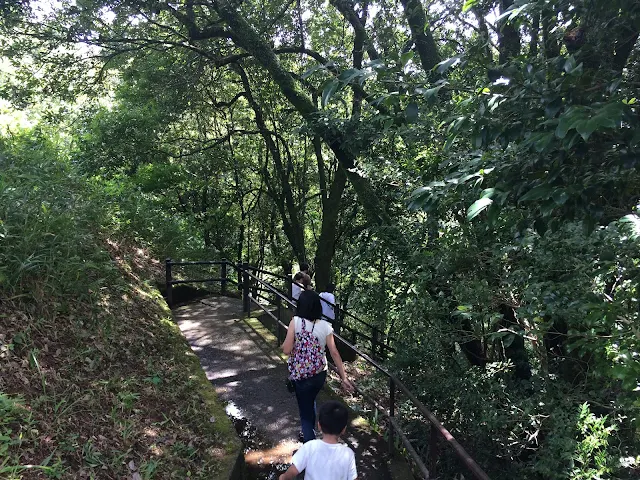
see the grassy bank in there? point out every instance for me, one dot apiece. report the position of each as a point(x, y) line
point(96, 380)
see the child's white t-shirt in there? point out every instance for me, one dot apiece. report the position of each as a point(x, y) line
point(327, 308)
point(324, 461)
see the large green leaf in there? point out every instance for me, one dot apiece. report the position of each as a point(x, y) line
point(568, 121)
point(312, 70)
point(348, 75)
point(633, 222)
point(447, 64)
point(329, 89)
point(560, 197)
point(553, 107)
point(478, 206)
point(469, 4)
point(536, 193)
point(411, 113)
point(405, 57)
point(586, 127)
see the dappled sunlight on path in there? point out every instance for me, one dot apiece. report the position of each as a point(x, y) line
point(249, 375)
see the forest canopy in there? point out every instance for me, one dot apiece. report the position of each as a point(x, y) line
point(467, 173)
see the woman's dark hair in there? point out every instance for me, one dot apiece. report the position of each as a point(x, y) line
point(309, 305)
point(331, 287)
point(304, 267)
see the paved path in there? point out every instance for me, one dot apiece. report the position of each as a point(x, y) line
point(249, 375)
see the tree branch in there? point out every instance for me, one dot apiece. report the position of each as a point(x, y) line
point(422, 38)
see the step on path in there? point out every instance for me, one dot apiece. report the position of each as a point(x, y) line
point(249, 375)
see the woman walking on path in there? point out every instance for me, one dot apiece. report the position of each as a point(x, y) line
point(307, 337)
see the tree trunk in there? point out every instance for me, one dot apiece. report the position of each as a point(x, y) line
point(328, 233)
point(288, 208)
point(473, 349)
point(240, 243)
point(535, 30)
point(421, 34)
point(551, 46)
point(515, 351)
point(484, 34)
point(626, 40)
point(346, 8)
point(508, 36)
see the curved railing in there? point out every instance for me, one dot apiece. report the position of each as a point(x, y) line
point(357, 330)
point(375, 335)
point(282, 302)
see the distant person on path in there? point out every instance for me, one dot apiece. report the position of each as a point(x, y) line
point(296, 288)
point(307, 337)
point(326, 459)
point(304, 268)
point(301, 282)
point(328, 305)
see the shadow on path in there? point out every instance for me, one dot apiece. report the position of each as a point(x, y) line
point(248, 375)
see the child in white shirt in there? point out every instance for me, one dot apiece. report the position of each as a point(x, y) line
point(327, 458)
point(328, 302)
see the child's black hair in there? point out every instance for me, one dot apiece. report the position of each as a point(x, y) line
point(331, 287)
point(309, 305)
point(333, 417)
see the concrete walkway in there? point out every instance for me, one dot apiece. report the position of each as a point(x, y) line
point(249, 374)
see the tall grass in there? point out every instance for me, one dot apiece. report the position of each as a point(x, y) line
point(48, 244)
point(51, 221)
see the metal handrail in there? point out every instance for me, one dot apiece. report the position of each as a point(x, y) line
point(340, 311)
point(197, 280)
point(373, 327)
point(395, 426)
point(201, 262)
point(336, 307)
point(395, 383)
point(170, 282)
point(267, 272)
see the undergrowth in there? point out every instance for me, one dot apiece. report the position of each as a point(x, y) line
point(96, 380)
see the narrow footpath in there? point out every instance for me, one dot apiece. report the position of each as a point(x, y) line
point(249, 374)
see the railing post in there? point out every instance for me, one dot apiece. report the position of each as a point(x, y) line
point(239, 270)
point(434, 451)
point(254, 290)
point(223, 276)
point(279, 317)
point(168, 283)
point(383, 347)
point(374, 342)
point(246, 304)
point(289, 286)
point(338, 319)
point(392, 413)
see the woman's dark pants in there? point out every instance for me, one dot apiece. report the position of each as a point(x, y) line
point(306, 392)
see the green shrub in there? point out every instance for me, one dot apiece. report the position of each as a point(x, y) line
point(48, 244)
